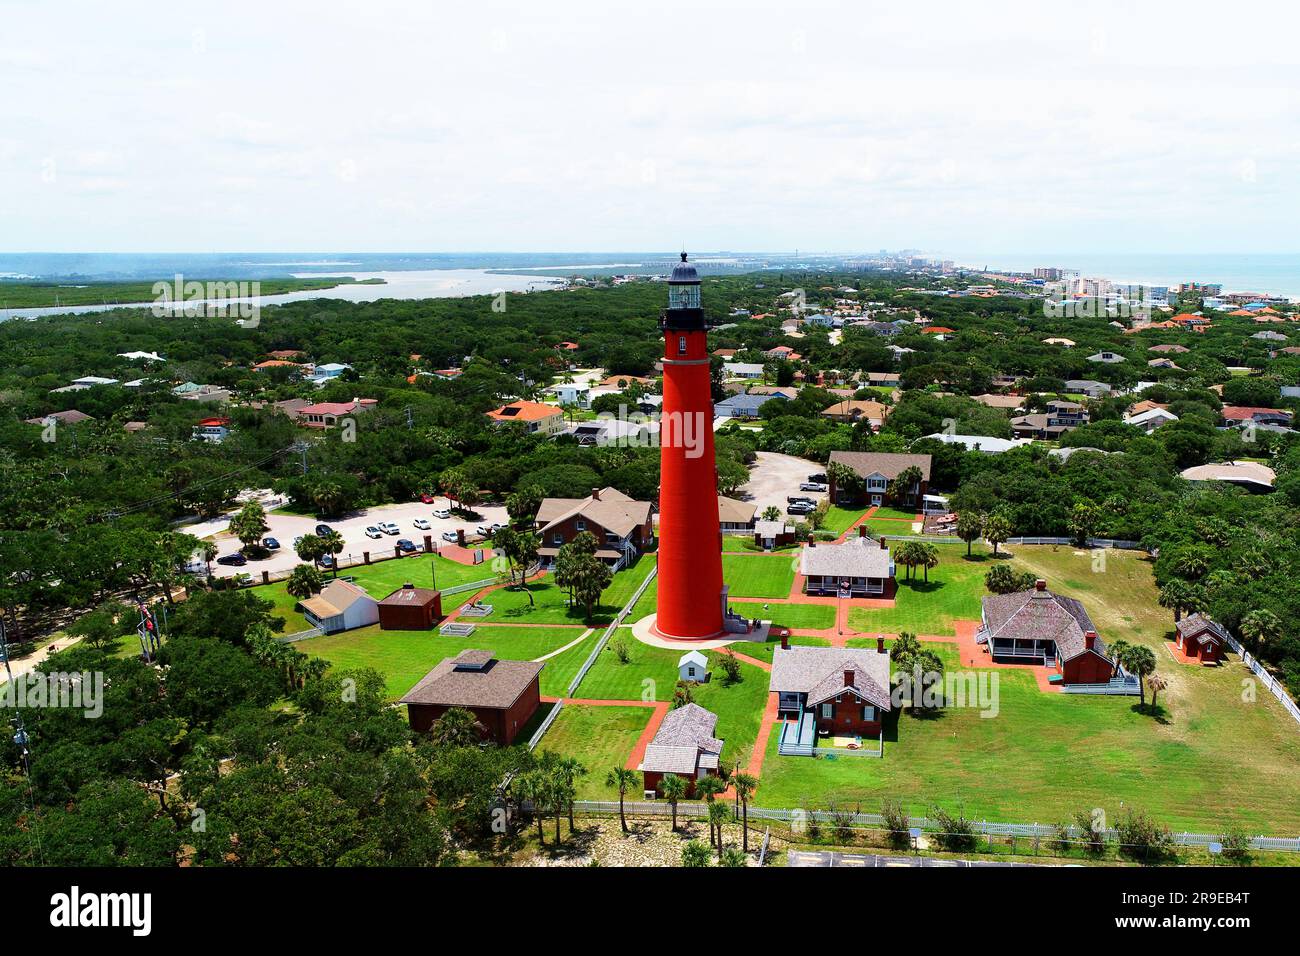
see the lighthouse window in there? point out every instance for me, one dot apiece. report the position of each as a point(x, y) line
point(681, 345)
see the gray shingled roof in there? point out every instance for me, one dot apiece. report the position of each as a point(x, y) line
point(1195, 625)
point(684, 741)
point(888, 465)
point(493, 683)
point(613, 511)
point(819, 673)
point(855, 558)
point(1041, 615)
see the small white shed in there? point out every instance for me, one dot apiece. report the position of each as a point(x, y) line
point(693, 666)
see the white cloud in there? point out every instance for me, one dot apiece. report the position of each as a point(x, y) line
point(581, 125)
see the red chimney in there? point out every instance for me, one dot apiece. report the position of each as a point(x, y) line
point(884, 545)
point(1089, 639)
point(1040, 585)
point(595, 494)
point(880, 644)
point(785, 640)
point(862, 531)
point(848, 677)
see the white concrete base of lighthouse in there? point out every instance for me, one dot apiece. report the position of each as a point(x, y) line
point(645, 631)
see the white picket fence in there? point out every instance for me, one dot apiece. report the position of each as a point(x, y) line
point(1092, 542)
point(1266, 678)
point(1040, 831)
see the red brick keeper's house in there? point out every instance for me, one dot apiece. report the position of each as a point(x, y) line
point(502, 695)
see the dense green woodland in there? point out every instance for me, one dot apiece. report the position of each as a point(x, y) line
point(87, 520)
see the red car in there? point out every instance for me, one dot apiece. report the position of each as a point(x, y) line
point(426, 499)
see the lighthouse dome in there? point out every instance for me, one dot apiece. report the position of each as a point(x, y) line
point(684, 272)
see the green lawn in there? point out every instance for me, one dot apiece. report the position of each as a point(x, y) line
point(601, 738)
point(953, 592)
point(1044, 756)
point(840, 519)
point(550, 603)
point(895, 513)
point(732, 542)
point(758, 576)
point(403, 657)
point(764, 651)
point(811, 616)
point(381, 579)
point(887, 526)
point(651, 674)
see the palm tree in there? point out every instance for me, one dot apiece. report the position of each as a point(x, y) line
point(929, 556)
point(327, 496)
point(674, 788)
point(304, 581)
point(1157, 684)
point(745, 785)
point(1261, 627)
point(624, 780)
point(333, 543)
point(532, 787)
point(970, 525)
point(695, 853)
point(996, 530)
point(456, 728)
point(708, 788)
point(209, 551)
point(1140, 661)
point(569, 770)
point(1178, 596)
point(717, 817)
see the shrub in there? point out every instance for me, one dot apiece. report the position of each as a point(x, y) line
point(955, 832)
point(730, 664)
point(1143, 838)
point(1236, 846)
point(897, 825)
point(1094, 838)
point(622, 653)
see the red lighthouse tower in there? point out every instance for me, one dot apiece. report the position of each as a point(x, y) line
point(691, 594)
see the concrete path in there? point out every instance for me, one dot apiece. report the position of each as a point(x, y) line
point(560, 650)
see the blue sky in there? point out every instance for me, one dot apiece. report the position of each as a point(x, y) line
point(374, 126)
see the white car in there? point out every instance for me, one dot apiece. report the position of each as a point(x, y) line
point(422, 524)
point(441, 513)
point(450, 536)
point(373, 532)
point(387, 527)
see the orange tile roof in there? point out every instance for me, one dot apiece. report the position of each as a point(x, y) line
point(524, 412)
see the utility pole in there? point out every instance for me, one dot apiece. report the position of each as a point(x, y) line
point(410, 421)
point(300, 447)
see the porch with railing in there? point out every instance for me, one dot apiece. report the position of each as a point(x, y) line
point(799, 736)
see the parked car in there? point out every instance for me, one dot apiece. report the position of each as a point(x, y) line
point(406, 546)
point(421, 524)
point(441, 513)
point(426, 499)
point(819, 479)
point(373, 532)
point(234, 560)
point(271, 544)
point(800, 508)
point(387, 527)
point(450, 536)
point(812, 486)
point(326, 561)
point(799, 499)
point(323, 529)
point(488, 530)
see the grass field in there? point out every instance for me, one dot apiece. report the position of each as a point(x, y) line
point(403, 657)
point(840, 519)
point(732, 542)
point(550, 603)
point(651, 674)
point(381, 579)
point(763, 652)
point(1045, 756)
point(953, 592)
point(601, 738)
point(811, 616)
point(758, 576)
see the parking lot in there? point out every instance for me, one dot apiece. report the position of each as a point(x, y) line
point(285, 527)
point(774, 478)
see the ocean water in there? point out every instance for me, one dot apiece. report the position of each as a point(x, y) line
point(1277, 273)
